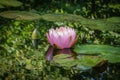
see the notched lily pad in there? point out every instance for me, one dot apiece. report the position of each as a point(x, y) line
point(20, 15)
point(83, 62)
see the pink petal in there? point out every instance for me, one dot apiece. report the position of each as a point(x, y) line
point(49, 39)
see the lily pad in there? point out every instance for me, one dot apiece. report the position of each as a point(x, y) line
point(83, 62)
point(111, 24)
point(96, 49)
point(87, 62)
point(112, 58)
point(64, 60)
point(12, 3)
point(110, 53)
point(20, 15)
point(62, 17)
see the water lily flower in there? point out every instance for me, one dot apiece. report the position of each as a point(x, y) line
point(62, 37)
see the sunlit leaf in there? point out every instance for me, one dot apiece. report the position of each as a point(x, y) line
point(64, 60)
point(12, 3)
point(112, 58)
point(110, 53)
point(62, 17)
point(101, 24)
point(20, 15)
point(96, 49)
point(114, 19)
point(85, 62)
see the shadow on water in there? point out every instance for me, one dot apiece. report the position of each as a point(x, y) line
point(102, 70)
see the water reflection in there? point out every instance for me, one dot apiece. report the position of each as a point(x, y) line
point(80, 61)
point(51, 52)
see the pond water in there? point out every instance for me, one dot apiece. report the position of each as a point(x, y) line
point(82, 66)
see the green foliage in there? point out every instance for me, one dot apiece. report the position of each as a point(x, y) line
point(19, 59)
point(90, 9)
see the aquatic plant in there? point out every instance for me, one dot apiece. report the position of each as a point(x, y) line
point(62, 37)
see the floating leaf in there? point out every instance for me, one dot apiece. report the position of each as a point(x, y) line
point(64, 60)
point(85, 62)
point(20, 15)
point(101, 24)
point(112, 58)
point(110, 53)
point(114, 19)
point(62, 17)
point(12, 3)
point(96, 49)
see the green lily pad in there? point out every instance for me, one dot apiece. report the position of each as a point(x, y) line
point(62, 17)
point(96, 49)
point(112, 58)
point(87, 62)
point(83, 62)
point(110, 53)
point(12, 3)
point(64, 60)
point(111, 24)
point(20, 15)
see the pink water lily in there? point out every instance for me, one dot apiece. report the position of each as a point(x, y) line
point(62, 37)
